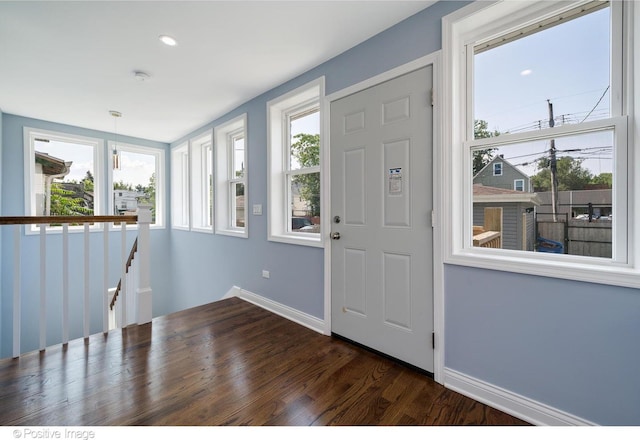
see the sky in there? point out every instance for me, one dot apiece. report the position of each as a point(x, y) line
point(567, 64)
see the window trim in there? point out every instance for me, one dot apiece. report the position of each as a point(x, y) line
point(198, 201)
point(278, 172)
point(29, 136)
point(495, 173)
point(515, 185)
point(223, 141)
point(481, 21)
point(180, 186)
point(160, 182)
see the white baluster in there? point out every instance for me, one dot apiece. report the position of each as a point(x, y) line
point(65, 283)
point(16, 291)
point(105, 285)
point(43, 286)
point(87, 286)
point(123, 275)
point(144, 293)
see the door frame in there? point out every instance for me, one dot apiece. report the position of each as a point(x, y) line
point(434, 60)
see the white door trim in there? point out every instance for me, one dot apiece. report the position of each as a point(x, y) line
point(438, 267)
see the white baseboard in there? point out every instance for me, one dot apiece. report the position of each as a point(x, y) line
point(304, 319)
point(511, 403)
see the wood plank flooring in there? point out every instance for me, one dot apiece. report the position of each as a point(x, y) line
point(225, 363)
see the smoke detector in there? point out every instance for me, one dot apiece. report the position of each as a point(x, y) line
point(141, 76)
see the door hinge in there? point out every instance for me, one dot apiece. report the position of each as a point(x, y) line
point(433, 340)
point(433, 219)
point(432, 98)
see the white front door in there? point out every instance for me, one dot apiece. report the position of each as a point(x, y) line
point(381, 202)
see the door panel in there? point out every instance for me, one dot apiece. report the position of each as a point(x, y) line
point(381, 162)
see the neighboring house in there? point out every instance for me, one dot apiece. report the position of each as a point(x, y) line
point(47, 169)
point(499, 173)
point(515, 212)
point(125, 201)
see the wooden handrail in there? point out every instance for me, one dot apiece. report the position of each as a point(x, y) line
point(60, 219)
point(134, 249)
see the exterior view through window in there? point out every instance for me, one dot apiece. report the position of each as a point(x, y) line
point(63, 179)
point(304, 172)
point(553, 193)
point(134, 183)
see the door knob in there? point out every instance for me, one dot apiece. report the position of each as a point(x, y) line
point(335, 236)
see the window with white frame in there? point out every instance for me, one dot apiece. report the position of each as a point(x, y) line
point(137, 178)
point(518, 185)
point(542, 84)
point(294, 122)
point(231, 177)
point(201, 159)
point(497, 169)
point(180, 186)
point(63, 174)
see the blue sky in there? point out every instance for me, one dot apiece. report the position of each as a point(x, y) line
point(567, 64)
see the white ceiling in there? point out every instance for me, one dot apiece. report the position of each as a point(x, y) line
point(71, 62)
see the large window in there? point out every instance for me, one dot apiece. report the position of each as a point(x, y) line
point(62, 174)
point(294, 166)
point(180, 187)
point(201, 158)
point(537, 95)
point(231, 177)
point(137, 178)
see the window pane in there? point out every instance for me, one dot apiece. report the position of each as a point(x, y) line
point(524, 217)
point(305, 140)
point(237, 200)
point(566, 65)
point(134, 183)
point(63, 181)
point(208, 184)
point(305, 203)
point(238, 157)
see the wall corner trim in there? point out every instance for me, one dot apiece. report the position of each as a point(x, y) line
point(304, 319)
point(514, 404)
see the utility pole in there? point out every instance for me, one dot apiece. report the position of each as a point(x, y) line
point(553, 167)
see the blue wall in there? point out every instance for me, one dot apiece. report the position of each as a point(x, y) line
point(13, 204)
point(296, 278)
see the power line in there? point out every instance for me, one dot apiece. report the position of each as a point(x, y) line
point(594, 107)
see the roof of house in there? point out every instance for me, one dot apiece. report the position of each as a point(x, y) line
point(52, 166)
point(484, 194)
point(504, 161)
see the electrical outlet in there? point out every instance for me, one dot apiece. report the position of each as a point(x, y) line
point(265, 274)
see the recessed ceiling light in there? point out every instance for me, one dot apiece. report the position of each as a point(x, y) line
point(169, 41)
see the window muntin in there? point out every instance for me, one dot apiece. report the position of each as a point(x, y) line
point(139, 179)
point(231, 177)
point(180, 187)
point(464, 31)
point(62, 174)
point(303, 174)
point(202, 194)
point(294, 174)
point(237, 177)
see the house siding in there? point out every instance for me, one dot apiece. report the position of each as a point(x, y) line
point(511, 222)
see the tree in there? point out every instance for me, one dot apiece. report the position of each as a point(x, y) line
point(571, 175)
point(306, 150)
point(123, 186)
point(63, 202)
point(482, 157)
point(604, 179)
point(87, 182)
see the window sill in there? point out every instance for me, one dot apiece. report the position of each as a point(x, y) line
point(208, 230)
point(585, 269)
point(314, 241)
point(240, 233)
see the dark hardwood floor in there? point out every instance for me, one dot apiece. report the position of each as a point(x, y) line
point(225, 363)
